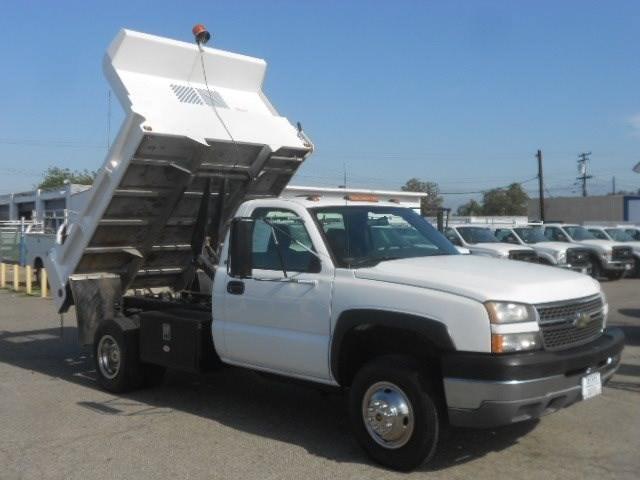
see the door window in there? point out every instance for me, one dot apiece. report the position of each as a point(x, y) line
point(598, 234)
point(452, 236)
point(555, 234)
point(281, 242)
point(507, 236)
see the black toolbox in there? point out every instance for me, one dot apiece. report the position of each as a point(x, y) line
point(178, 338)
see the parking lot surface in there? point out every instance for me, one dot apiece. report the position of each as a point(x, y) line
point(56, 424)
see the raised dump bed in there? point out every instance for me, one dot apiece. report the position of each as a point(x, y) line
point(199, 138)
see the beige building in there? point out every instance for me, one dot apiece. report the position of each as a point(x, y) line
point(607, 208)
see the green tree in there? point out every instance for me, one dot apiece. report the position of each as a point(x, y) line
point(470, 209)
point(429, 204)
point(511, 200)
point(55, 177)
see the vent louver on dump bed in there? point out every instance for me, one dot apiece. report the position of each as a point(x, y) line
point(173, 149)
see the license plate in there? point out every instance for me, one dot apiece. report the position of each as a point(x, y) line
point(591, 385)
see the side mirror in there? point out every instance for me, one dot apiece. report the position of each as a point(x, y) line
point(241, 247)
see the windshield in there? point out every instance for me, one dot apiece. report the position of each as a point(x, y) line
point(634, 234)
point(477, 235)
point(579, 233)
point(619, 235)
point(531, 235)
point(361, 236)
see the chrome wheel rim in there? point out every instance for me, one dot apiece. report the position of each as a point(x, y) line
point(109, 357)
point(387, 415)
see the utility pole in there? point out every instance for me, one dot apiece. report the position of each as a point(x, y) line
point(583, 164)
point(540, 185)
point(613, 185)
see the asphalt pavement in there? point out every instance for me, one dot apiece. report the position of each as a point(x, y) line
point(55, 423)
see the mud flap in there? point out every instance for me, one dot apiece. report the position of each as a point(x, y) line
point(97, 298)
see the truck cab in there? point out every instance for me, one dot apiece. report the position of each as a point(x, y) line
point(608, 258)
point(558, 254)
point(481, 240)
point(185, 258)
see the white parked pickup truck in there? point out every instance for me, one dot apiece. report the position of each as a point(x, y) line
point(620, 235)
point(480, 240)
point(185, 258)
point(608, 258)
point(558, 254)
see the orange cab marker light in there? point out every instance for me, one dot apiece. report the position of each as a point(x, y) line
point(361, 198)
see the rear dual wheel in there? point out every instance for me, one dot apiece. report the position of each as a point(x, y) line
point(395, 413)
point(117, 360)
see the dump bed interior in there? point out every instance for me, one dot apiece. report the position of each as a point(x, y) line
point(199, 138)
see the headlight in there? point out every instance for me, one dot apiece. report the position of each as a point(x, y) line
point(507, 312)
point(606, 255)
point(515, 342)
point(605, 310)
point(514, 327)
point(561, 257)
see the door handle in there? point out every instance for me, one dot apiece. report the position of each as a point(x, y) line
point(235, 287)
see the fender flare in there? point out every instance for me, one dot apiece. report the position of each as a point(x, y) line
point(427, 329)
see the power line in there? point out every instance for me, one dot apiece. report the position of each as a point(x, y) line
point(489, 189)
point(583, 165)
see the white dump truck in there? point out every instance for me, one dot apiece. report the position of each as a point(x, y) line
point(184, 258)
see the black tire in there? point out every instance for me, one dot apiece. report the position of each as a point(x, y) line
point(614, 275)
point(595, 268)
point(128, 374)
point(421, 441)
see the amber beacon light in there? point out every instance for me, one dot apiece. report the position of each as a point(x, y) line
point(201, 33)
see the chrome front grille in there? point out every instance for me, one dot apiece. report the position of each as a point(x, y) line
point(577, 256)
point(622, 253)
point(523, 255)
point(570, 323)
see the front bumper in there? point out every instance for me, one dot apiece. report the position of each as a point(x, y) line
point(576, 268)
point(617, 265)
point(484, 390)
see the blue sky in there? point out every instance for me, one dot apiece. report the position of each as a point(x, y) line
point(462, 93)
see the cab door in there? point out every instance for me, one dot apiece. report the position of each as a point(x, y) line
point(279, 320)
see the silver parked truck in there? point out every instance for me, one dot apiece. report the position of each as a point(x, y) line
point(185, 258)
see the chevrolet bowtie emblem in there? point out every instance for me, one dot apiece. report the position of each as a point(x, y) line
point(582, 320)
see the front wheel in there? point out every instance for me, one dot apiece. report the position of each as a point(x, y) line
point(615, 275)
point(394, 413)
point(594, 268)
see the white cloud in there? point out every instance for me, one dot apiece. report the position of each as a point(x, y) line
point(634, 123)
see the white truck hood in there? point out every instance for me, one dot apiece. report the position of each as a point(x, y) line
point(498, 247)
point(634, 245)
point(482, 278)
point(604, 245)
point(552, 246)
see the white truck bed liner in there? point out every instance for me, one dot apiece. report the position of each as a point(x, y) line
point(182, 137)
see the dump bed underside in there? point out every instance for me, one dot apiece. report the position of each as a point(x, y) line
point(147, 230)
